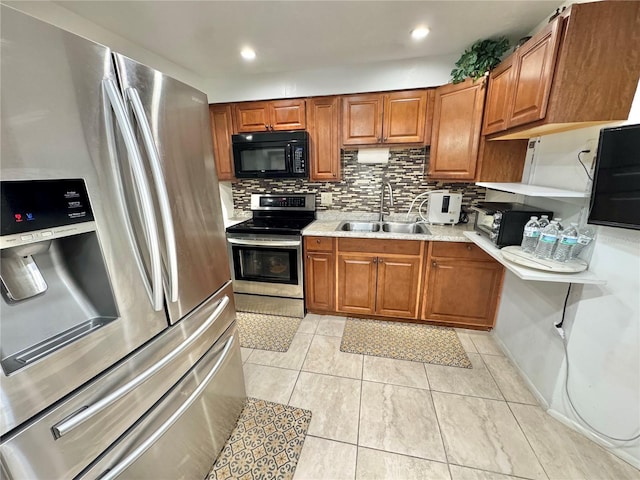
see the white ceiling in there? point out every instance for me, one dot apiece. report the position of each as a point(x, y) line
point(205, 37)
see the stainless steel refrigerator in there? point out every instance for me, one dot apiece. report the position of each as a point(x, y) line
point(119, 352)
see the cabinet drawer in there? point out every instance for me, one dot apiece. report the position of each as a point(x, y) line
point(360, 245)
point(318, 244)
point(458, 250)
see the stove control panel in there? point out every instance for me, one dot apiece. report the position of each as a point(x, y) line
point(305, 202)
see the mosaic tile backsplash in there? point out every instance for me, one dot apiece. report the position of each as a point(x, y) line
point(359, 189)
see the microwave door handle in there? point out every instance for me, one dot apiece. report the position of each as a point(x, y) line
point(161, 190)
point(145, 210)
point(130, 459)
point(289, 157)
point(85, 413)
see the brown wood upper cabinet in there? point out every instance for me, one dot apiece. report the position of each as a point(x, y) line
point(455, 138)
point(378, 118)
point(271, 115)
point(221, 130)
point(581, 69)
point(324, 138)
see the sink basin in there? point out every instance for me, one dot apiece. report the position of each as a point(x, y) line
point(359, 227)
point(387, 227)
point(404, 227)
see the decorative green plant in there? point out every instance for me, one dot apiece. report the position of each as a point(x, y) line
point(479, 59)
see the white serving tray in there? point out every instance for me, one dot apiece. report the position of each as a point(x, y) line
point(516, 255)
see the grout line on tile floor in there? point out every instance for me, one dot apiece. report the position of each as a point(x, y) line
point(510, 475)
point(355, 473)
point(444, 447)
point(426, 373)
point(535, 454)
point(300, 371)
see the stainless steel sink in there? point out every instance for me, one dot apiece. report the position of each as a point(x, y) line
point(359, 226)
point(405, 227)
point(387, 227)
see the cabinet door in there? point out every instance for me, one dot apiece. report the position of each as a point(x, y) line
point(287, 115)
point(499, 97)
point(397, 287)
point(356, 283)
point(221, 130)
point(252, 117)
point(362, 119)
point(405, 115)
point(319, 282)
point(463, 292)
point(324, 139)
point(533, 74)
point(455, 139)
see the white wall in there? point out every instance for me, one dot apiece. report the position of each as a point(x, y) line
point(372, 77)
point(602, 321)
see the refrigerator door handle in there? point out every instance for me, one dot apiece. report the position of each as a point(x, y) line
point(146, 203)
point(161, 189)
point(120, 467)
point(85, 413)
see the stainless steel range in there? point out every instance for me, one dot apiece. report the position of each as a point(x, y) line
point(265, 254)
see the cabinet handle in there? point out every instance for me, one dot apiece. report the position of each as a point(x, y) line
point(469, 247)
point(379, 139)
point(375, 260)
point(434, 264)
point(385, 138)
point(318, 241)
point(271, 127)
point(380, 260)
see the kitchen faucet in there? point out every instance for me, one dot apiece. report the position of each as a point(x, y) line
point(388, 185)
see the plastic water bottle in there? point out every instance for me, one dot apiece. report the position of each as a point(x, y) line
point(547, 240)
point(544, 221)
point(586, 235)
point(558, 220)
point(530, 235)
point(568, 240)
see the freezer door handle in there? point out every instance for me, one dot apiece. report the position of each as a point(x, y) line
point(120, 467)
point(86, 412)
point(144, 193)
point(161, 190)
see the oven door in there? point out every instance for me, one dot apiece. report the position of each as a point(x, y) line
point(266, 264)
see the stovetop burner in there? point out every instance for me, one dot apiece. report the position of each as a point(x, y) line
point(278, 214)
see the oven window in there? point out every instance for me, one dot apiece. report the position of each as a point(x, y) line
point(268, 265)
point(263, 159)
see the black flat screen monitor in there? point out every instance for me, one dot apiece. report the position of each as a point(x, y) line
point(615, 196)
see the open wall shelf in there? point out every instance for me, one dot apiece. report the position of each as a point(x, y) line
point(533, 190)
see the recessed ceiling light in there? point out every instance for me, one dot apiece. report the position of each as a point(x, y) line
point(248, 53)
point(419, 33)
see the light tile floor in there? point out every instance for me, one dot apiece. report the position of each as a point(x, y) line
point(378, 418)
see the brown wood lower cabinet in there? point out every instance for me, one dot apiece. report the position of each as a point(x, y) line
point(319, 284)
point(379, 277)
point(463, 285)
point(384, 278)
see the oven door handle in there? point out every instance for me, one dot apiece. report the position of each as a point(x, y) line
point(265, 243)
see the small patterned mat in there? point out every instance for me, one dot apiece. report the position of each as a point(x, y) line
point(266, 332)
point(404, 341)
point(265, 444)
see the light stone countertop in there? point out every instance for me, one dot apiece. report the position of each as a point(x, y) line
point(439, 233)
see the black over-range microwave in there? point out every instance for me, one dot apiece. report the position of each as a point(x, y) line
point(271, 155)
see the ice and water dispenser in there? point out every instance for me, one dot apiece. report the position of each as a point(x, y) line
point(54, 283)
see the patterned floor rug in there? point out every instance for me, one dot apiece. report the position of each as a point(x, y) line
point(266, 332)
point(404, 341)
point(265, 444)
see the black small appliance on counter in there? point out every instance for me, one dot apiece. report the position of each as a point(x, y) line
point(503, 223)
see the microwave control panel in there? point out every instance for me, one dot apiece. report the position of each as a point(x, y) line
point(298, 159)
